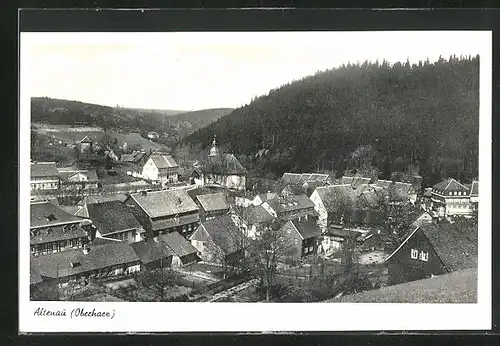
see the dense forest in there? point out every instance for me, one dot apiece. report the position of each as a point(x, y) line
point(170, 122)
point(367, 118)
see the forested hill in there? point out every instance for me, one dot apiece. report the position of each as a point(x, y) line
point(367, 116)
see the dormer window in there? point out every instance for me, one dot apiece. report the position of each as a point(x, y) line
point(49, 230)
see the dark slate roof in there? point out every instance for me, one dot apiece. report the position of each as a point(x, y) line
point(178, 244)
point(256, 215)
point(306, 228)
point(450, 185)
point(99, 257)
point(47, 214)
point(300, 178)
point(164, 161)
point(455, 244)
point(44, 169)
point(290, 203)
point(165, 202)
point(214, 201)
point(474, 191)
point(135, 157)
point(369, 199)
point(111, 217)
point(337, 231)
point(56, 233)
point(223, 233)
point(333, 195)
point(151, 250)
point(224, 164)
point(455, 287)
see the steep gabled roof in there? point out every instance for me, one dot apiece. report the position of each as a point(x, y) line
point(306, 228)
point(223, 232)
point(455, 244)
point(450, 184)
point(111, 217)
point(213, 202)
point(165, 202)
point(256, 215)
point(291, 178)
point(103, 198)
point(355, 181)
point(177, 244)
point(164, 161)
point(224, 164)
point(44, 169)
point(85, 139)
point(151, 251)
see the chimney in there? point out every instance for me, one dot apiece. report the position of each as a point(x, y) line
point(144, 192)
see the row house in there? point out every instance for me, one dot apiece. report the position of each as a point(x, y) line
point(165, 211)
point(44, 177)
point(53, 230)
point(111, 259)
point(115, 220)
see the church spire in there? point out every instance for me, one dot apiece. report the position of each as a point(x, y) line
point(213, 150)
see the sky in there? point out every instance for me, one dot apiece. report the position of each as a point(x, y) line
point(191, 71)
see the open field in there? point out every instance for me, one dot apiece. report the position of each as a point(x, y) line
point(70, 135)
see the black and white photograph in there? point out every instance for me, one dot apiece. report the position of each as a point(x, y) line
point(172, 172)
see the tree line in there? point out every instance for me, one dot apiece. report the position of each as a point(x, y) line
point(418, 118)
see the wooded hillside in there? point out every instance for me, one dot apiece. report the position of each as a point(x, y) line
point(369, 116)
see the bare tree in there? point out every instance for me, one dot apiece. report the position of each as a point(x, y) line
point(269, 248)
point(160, 279)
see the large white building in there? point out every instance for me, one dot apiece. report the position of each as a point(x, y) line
point(161, 168)
point(451, 198)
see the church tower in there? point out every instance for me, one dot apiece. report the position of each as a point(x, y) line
point(213, 149)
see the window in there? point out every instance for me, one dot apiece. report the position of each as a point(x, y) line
point(424, 256)
point(295, 241)
point(414, 254)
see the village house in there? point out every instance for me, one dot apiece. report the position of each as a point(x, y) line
point(111, 259)
point(165, 211)
point(53, 230)
point(153, 135)
point(252, 219)
point(161, 168)
point(115, 220)
point(212, 205)
point(291, 207)
point(431, 249)
point(333, 239)
point(451, 198)
point(154, 254)
point(85, 144)
point(44, 177)
point(302, 183)
point(333, 203)
point(219, 240)
point(183, 252)
point(77, 180)
point(301, 237)
point(221, 169)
